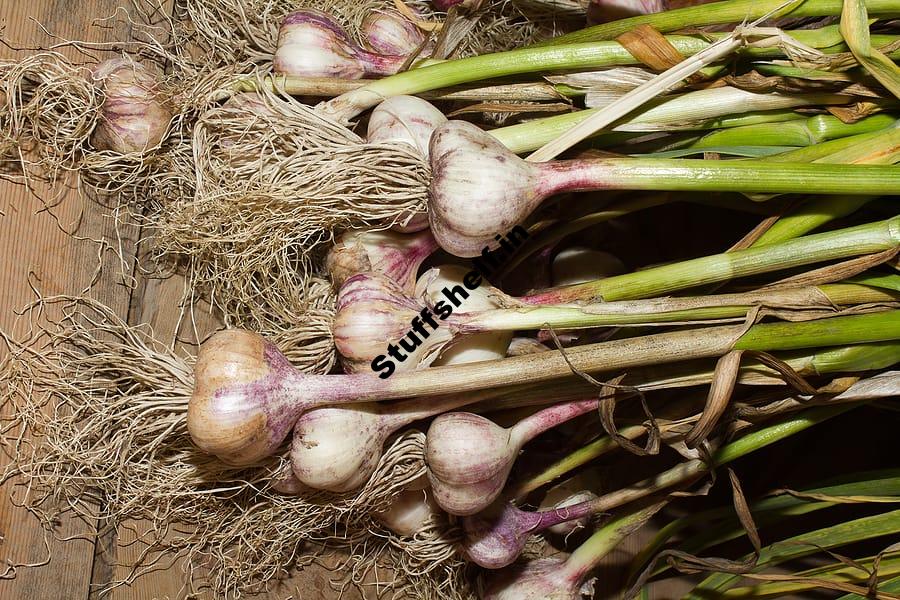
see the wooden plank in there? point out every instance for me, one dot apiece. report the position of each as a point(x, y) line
point(39, 244)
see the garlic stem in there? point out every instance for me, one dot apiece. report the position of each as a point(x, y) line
point(514, 526)
point(247, 396)
point(730, 11)
point(479, 187)
point(658, 281)
point(593, 55)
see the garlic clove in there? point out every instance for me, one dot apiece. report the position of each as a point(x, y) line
point(133, 117)
point(579, 264)
point(321, 456)
point(479, 189)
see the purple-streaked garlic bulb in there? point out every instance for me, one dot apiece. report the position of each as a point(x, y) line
point(541, 579)
point(373, 316)
point(406, 119)
point(389, 32)
point(409, 512)
point(604, 11)
point(579, 264)
point(242, 407)
point(479, 189)
point(409, 120)
point(393, 255)
point(338, 448)
point(134, 116)
point(312, 44)
point(469, 457)
point(468, 348)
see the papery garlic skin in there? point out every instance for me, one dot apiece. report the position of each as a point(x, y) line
point(542, 579)
point(394, 255)
point(468, 459)
point(406, 119)
point(321, 456)
point(479, 189)
point(312, 44)
point(409, 512)
point(391, 33)
point(134, 117)
point(238, 410)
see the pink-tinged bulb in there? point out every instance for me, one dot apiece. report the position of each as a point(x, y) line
point(241, 409)
point(405, 119)
point(134, 116)
point(338, 449)
point(541, 579)
point(391, 33)
point(604, 11)
point(409, 512)
point(468, 459)
point(496, 536)
point(479, 189)
point(409, 120)
point(396, 256)
point(373, 312)
point(312, 44)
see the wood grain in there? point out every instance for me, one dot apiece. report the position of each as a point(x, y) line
point(36, 244)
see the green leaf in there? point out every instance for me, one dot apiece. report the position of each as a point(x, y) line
point(855, 29)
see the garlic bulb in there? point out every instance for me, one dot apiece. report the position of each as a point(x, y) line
point(393, 255)
point(409, 512)
point(469, 457)
point(373, 316)
point(337, 449)
point(409, 120)
point(579, 264)
point(541, 579)
point(406, 119)
point(312, 44)
point(134, 117)
point(389, 32)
